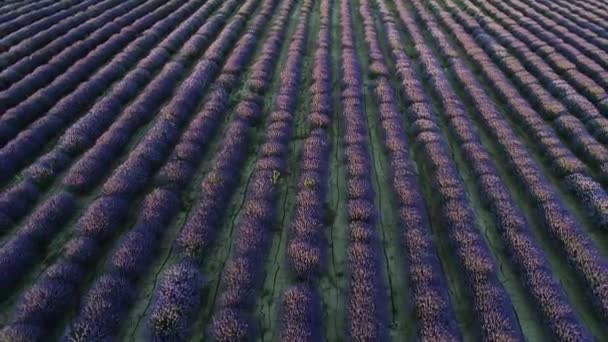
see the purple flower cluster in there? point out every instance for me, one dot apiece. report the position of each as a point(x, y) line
point(490, 300)
point(561, 34)
point(41, 47)
point(171, 316)
point(523, 43)
point(82, 134)
point(367, 314)
point(24, 247)
point(527, 256)
point(65, 72)
point(580, 17)
point(301, 314)
point(19, 21)
point(563, 162)
point(576, 246)
point(300, 306)
point(30, 32)
point(12, 10)
point(107, 301)
point(91, 168)
point(53, 118)
point(40, 306)
point(430, 296)
point(136, 250)
point(100, 224)
point(16, 202)
point(242, 272)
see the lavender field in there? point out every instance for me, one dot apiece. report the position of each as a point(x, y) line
point(303, 170)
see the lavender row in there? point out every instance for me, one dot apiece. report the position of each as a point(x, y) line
point(526, 255)
point(96, 62)
point(579, 250)
point(563, 27)
point(597, 8)
point(15, 190)
point(232, 320)
point(306, 245)
point(366, 297)
point(23, 148)
point(128, 262)
point(33, 17)
point(27, 244)
point(49, 298)
point(17, 88)
point(15, 67)
point(491, 303)
point(134, 173)
point(198, 232)
point(436, 319)
point(16, 202)
point(82, 135)
point(18, 9)
point(55, 19)
point(559, 54)
point(46, 44)
point(300, 308)
point(562, 57)
point(10, 5)
point(571, 15)
point(574, 49)
point(562, 161)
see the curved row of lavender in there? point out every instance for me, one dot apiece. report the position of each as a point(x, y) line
point(572, 102)
point(27, 126)
point(491, 303)
point(56, 37)
point(517, 237)
point(22, 196)
point(135, 251)
point(41, 47)
point(94, 131)
point(242, 273)
point(109, 111)
point(366, 296)
point(177, 297)
point(434, 313)
point(52, 294)
point(13, 10)
point(578, 249)
point(300, 306)
point(34, 16)
point(50, 22)
point(33, 95)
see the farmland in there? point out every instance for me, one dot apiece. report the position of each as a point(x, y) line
point(303, 170)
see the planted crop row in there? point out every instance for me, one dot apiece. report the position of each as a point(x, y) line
point(52, 20)
point(434, 313)
point(126, 42)
point(300, 308)
point(48, 298)
point(562, 57)
point(44, 45)
point(75, 140)
point(577, 247)
point(33, 17)
point(513, 227)
point(366, 300)
point(490, 301)
point(564, 164)
point(243, 271)
point(19, 260)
